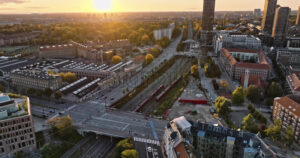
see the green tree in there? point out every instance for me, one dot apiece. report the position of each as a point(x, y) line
point(48, 92)
point(57, 95)
point(116, 59)
point(289, 136)
point(130, 153)
point(274, 130)
point(238, 96)
point(70, 77)
point(248, 124)
point(149, 58)
point(253, 93)
point(223, 106)
point(2, 88)
point(275, 90)
point(224, 84)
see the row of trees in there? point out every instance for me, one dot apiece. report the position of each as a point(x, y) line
point(124, 149)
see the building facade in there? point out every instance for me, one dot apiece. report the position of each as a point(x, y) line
point(287, 110)
point(268, 16)
point(280, 26)
point(208, 21)
point(16, 127)
point(165, 32)
point(298, 17)
point(17, 38)
point(294, 83)
point(253, 61)
point(64, 51)
point(41, 81)
point(227, 40)
point(291, 54)
point(257, 13)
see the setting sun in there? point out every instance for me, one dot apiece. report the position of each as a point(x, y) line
point(103, 5)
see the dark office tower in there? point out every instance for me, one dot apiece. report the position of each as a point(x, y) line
point(268, 17)
point(208, 15)
point(298, 18)
point(208, 21)
point(280, 26)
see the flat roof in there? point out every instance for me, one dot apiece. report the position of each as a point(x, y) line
point(4, 98)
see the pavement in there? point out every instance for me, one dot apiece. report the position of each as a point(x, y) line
point(97, 119)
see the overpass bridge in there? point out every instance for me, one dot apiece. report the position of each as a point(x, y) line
point(90, 117)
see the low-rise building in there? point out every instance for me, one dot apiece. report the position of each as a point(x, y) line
point(64, 51)
point(35, 80)
point(18, 38)
point(287, 110)
point(294, 83)
point(237, 62)
point(233, 40)
point(16, 126)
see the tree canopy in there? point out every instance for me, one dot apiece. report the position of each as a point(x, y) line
point(149, 58)
point(68, 77)
point(62, 126)
point(224, 84)
point(195, 71)
point(275, 90)
point(116, 59)
point(57, 95)
point(223, 105)
point(249, 124)
point(2, 88)
point(129, 153)
point(253, 93)
point(238, 96)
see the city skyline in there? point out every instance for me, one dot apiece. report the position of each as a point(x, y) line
point(56, 6)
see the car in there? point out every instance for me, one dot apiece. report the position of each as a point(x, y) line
point(112, 98)
point(52, 111)
point(212, 111)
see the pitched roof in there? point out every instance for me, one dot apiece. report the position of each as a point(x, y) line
point(229, 57)
point(254, 66)
point(289, 104)
point(244, 50)
point(294, 80)
point(180, 149)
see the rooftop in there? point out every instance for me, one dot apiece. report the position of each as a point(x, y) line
point(289, 104)
point(294, 81)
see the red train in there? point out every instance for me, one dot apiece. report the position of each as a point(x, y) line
point(140, 107)
point(193, 101)
point(162, 94)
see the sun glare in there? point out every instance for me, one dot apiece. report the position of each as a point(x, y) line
point(103, 5)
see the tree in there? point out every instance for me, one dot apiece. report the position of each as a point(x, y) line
point(248, 124)
point(116, 59)
point(149, 58)
point(253, 93)
point(164, 42)
point(58, 95)
point(2, 88)
point(274, 130)
point(155, 52)
point(195, 71)
point(238, 96)
point(275, 90)
point(62, 126)
point(48, 92)
point(223, 106)
point(224, 84)
point(145, 39)
point(31, 91)
point(289, 136)
point(70, 77)
point(130, 153)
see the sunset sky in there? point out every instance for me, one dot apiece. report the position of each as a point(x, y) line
point(52, 6)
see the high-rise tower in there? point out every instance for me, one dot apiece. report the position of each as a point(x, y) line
point(280, 26)
point(268, 17)
point(298, 17)
point(208, 21)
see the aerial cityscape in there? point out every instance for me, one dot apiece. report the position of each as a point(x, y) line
point(150, 79)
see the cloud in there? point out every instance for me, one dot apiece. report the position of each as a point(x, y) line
point(36, 7)
point(13, 1)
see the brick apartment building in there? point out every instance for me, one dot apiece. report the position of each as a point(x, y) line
point(287, 109)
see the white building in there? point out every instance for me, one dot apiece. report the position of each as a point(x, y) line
point(227, 40)
point(165, 32)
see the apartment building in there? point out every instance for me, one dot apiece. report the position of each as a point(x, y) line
point(64, 51)
point(164, 32)
point(287, 109)
point(16, 126)
point(290, 55)
point(294, 83)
